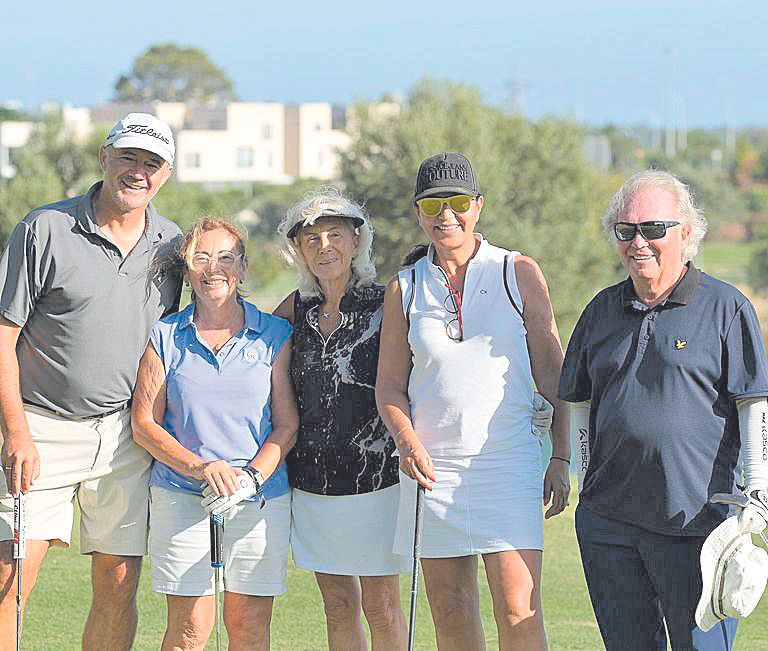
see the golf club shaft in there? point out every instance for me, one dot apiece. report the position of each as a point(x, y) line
point(416, 556)
point(216, 523)
point(19, 552)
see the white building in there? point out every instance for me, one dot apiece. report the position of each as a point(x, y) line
point(237, 143)
point(250, 148)
point(13, 136)
point(312, 145)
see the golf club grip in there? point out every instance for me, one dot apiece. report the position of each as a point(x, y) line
point(419, 519)
point(19, 526)
point(217, 535)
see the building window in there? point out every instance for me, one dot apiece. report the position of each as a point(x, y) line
point(270, 160)
point(244, 157)
point(266, 132)
point(192, 159)
point(318, 127)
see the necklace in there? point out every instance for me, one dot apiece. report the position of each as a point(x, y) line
point(328, 315)
point(220, 343)
point(228, 332)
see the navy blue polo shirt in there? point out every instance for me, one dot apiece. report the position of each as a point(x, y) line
point(664, 429)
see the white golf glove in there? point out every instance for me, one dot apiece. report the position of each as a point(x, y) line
point(216, 504)
point(753, 508)
point(753, 517)
point(543, 411)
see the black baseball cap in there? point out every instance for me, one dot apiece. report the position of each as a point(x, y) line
point(446, 173)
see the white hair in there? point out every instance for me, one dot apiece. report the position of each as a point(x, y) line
point(323, 203)
point(687, 212)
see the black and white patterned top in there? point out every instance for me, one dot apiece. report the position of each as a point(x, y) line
point(343, 447)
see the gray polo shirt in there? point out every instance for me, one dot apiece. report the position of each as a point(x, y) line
point(85, 311)
point(664, 429)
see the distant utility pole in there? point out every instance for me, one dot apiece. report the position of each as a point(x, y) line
point(518, 90)
point(730, 131)
point(682, 123)
point(655, 130)
point(669, 104)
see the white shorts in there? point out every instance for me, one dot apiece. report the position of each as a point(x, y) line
point(350, 535)
point(96, 461)
point(255, 546)
point(480, 504)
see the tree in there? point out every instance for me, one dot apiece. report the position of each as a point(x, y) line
point(50, 167)
point(36, 183)
point(541, 196)
point(172, 74)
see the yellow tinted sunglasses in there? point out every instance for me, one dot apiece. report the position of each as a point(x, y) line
point(431, 206)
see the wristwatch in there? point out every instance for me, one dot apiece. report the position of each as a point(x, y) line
point(258, 479)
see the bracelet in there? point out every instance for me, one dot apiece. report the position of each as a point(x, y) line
point(258, 479)
point(568, 461)
point(400, 431)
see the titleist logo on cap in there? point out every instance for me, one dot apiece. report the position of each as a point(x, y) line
point(145, 130)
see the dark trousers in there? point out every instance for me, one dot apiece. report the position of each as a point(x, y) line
point(639, 581)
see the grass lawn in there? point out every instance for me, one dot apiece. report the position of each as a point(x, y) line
point(728, 261)
point(58, 607)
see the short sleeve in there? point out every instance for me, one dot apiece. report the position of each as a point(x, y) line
point(575, 381)
point(159, 338)
point(283, 331)
point(745, 362)
point(21, 275)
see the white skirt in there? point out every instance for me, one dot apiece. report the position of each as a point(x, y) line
point(480, 504)
point(350, 535)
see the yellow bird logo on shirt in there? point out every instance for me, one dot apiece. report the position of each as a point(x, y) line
point(680, 344)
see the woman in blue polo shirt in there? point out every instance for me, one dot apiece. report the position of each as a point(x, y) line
point(215, 406)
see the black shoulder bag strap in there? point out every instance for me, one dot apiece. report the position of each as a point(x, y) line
point(507, 289)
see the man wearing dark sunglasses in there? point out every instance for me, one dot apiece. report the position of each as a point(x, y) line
point(668, 376)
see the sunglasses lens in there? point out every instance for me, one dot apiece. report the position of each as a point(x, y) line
point(460, 203)
point(430, 206)
point(624, 232)
point(653, 230)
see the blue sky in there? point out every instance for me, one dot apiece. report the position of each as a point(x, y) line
point(620, 62)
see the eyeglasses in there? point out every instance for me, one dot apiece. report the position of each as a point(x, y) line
point(452, 304)
point(653, 230)
point(431, 206)
point(225, 260)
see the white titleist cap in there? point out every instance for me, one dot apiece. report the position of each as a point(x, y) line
point(733, 572)
point(143, 131)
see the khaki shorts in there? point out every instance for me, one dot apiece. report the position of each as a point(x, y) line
point(96, 461)
point(254, 550)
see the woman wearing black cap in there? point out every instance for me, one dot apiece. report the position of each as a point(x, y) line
point(343, 474)
point(468, 334)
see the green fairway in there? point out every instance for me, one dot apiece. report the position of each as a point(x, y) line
point(58, 606)
point(728, 261)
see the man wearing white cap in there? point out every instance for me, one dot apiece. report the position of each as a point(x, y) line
point(82, 281)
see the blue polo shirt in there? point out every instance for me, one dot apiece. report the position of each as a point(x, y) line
point(218, 405)
point(664, 429)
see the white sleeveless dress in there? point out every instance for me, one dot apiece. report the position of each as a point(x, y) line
point(471, 404)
